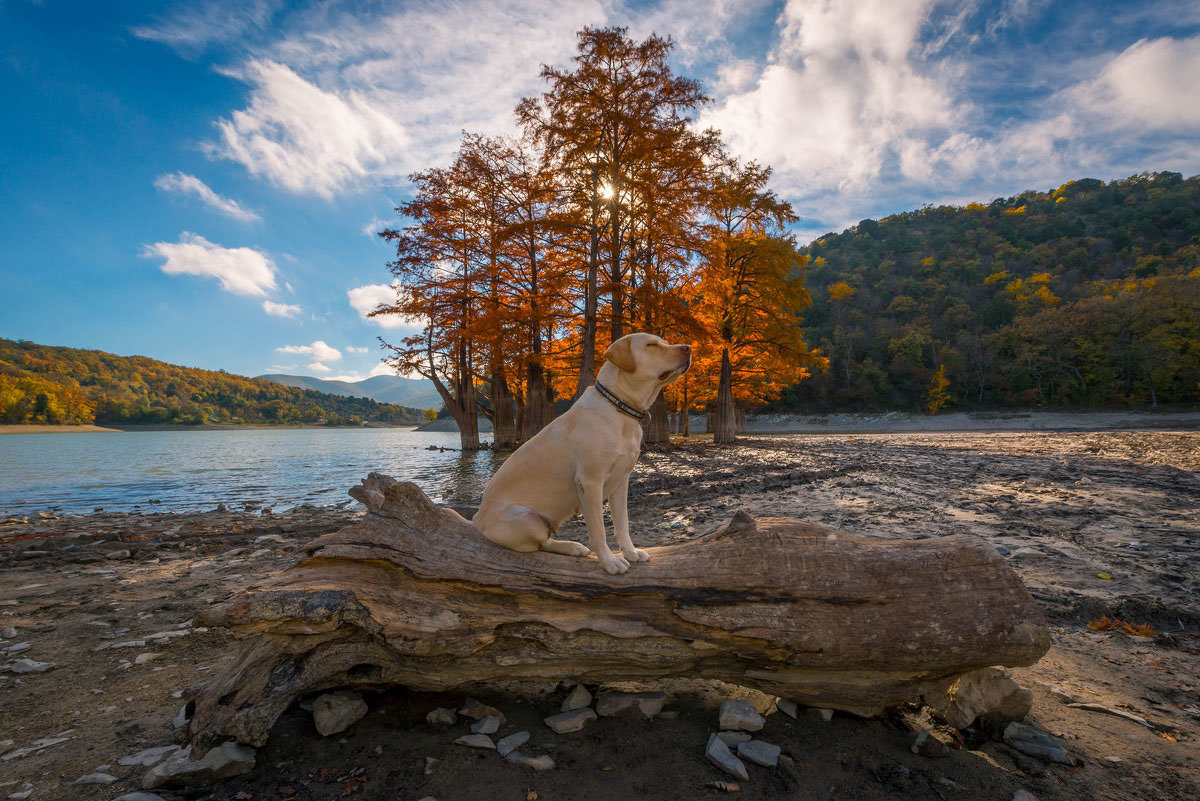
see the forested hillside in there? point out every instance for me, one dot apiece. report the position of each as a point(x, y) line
point(45, 384)
point(1087, 295)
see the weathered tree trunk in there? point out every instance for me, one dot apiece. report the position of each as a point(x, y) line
point(724, 425)
point(539, 411)
point(657, 428)
point(413, 595)
point(504, 423)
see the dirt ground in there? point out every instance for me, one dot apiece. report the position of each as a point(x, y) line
point(1095, 523)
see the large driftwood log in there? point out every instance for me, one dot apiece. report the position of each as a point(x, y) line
point(413, 595)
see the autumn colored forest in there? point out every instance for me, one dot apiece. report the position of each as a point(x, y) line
point(53, 385)
point(1087, 295)
point(612, 212)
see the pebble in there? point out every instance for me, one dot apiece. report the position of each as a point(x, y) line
point(96, 778)
point(929, 746)
point(825, 715)
point(9, 633)
point(512, 742)
point(477, 711)
point(6, 746)
point(617, 704)
point(789, 708)
point(430, 765)
point(21, 795)
point(149, 757)
point(759, 753)
point(488, 725)
point(181, 718)
point(1001, 549)
point(336, 712)
point(1032, 742)
point(142, 659)
point(537, 763)
point(719, 754)
point(566, 722)
point(122, 554)
point(1024, 795)
point(17, 648)
point(733, 737)
point(261, 552)
point(476, 741)
point(738, 715)
point(28, 666)
point(579, 698)
point(223, 762)
point(441, 717)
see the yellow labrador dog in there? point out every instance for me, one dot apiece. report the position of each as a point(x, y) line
point(583, 459)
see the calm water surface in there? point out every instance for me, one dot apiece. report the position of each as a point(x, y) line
point(194, 470)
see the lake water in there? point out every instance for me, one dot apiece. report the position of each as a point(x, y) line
point(195, 470)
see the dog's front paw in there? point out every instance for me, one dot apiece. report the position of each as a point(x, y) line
point(615, 564)
point(636, 555)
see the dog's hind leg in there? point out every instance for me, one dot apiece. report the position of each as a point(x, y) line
point(516, 527)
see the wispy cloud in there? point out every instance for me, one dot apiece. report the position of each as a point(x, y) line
point(346, 95)
point(197, 25)
point(191, 185)
point(243, 271)
point(280, 309)
point(366, 299)
point(318, 350)
point(353, 349)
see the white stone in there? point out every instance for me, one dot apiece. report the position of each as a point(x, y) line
point(617, 704)
point(223, 762)
point(738, 715)
point(759, 753)
point(579, 698)
point(336, 712)
point(476, 741)
point(488, 725)
point(441, 717)
point(537, 763)
point(95, 778)
point(732, 738)
point(566, 722)
point(148, 757)
point(789, 708)
point(28, 666)
point(719, 754)
point(512, 742)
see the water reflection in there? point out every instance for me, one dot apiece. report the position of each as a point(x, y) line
point(190, 470)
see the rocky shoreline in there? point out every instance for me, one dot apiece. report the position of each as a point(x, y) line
point(100, 651)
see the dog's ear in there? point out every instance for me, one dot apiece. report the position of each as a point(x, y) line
point(620, 353)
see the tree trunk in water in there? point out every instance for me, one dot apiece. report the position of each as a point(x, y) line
point(466, 411)
point(504, 423)
point(724, 425)
point(587, 363)
point(739, 416)
point(539, 411)
point(657, 430)
point(413, 595)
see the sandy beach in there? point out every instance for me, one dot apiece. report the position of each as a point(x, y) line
point(1096, 524)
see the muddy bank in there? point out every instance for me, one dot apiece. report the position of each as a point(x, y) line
point(106, 601)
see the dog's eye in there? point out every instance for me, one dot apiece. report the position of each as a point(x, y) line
point(651, 344)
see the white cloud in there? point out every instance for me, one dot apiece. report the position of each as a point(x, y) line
point(844, 95)
point(381, 369)
point(200, 24)
point(280, 309)
point(347, 96)
point(317, 367)
point(243, 271)
point(353, 349)
point(366, 299)
point(318, 350)
point(191, 185)
point(1144, 87)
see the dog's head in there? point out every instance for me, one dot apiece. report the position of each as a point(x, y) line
point(648, 358)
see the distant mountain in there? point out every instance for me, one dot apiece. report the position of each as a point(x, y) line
point(46, 384)
point(415, 393)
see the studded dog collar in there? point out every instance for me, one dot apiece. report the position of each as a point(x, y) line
point(623, 407)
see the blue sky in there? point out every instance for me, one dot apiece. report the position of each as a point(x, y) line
point(198, 181)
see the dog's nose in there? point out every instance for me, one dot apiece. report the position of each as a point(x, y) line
point(686, 348)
